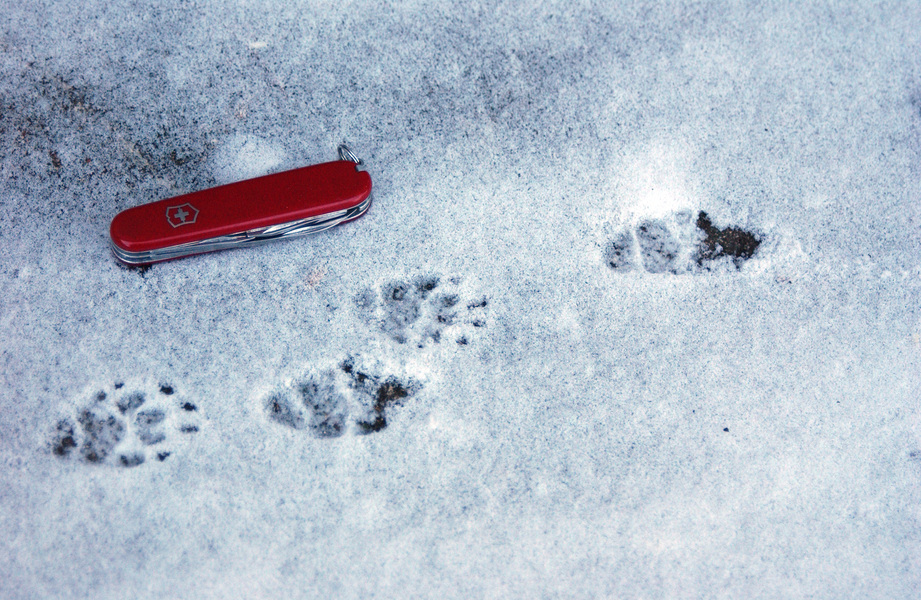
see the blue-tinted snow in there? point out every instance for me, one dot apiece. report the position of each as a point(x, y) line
point(589, 431)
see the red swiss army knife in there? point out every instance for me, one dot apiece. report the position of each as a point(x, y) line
point(247, 213)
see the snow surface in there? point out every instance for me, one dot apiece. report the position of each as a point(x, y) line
point(713, 432)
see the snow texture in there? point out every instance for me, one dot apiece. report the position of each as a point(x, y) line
point(635, 312)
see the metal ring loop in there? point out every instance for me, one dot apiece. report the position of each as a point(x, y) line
point(346, 154)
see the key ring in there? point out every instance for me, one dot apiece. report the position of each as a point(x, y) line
point(346, 154)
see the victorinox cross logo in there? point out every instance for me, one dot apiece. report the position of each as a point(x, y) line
point(184, 214)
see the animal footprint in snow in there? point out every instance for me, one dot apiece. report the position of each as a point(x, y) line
point(358, 394)
point(126, 425)
point(679, 244)
point(424, 309)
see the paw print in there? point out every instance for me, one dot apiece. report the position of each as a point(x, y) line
point(357, 394)
point(126, 425)
point(680, 244)
point(423, 310)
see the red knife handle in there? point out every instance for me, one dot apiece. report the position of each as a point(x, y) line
point(243, 206)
